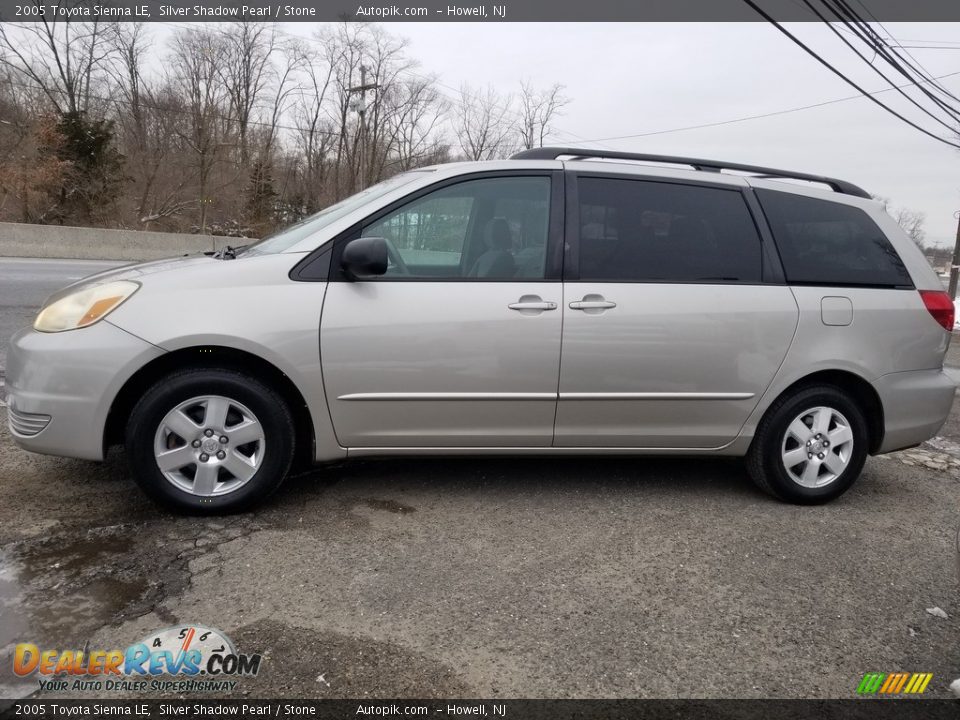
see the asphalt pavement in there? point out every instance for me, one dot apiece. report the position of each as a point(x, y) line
point(499, 577)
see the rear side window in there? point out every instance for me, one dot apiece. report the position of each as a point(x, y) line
point(643, 231)
point(828, 243)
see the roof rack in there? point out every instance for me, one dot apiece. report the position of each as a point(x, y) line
point(552, 153)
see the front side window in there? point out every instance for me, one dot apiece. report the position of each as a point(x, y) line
point(485, 229)
point(829, 243)
point(643, 231)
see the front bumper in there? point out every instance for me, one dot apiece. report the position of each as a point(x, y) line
point(915, 406)
point(60, 386)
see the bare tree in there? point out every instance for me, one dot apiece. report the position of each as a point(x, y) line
point(344, 48)
point(415, 110)
point(910, 221)
point(30, 179)
point(538, 109)
point(146, 123)
point(247, 71)
point(64, 59)
point(195, 65)
point(483, 123)
point(240, 129)
point(316, 137)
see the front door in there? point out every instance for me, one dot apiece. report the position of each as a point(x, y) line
point(670, 335)
point(458, 345)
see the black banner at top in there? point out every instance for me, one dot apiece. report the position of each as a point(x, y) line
point(462, 10)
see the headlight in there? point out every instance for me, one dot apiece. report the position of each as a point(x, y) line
point(84, 307)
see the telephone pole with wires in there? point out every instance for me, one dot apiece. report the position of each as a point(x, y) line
point(955, 264)
point(360, 106)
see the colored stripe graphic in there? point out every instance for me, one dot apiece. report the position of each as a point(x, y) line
point(925, 680)
point(871, 683)
point(894, 683)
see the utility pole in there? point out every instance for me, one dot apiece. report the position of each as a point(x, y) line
point(955, 265)
point(361, 107)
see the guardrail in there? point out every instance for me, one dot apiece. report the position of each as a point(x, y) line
point(58, 241)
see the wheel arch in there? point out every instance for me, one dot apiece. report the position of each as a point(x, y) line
point(859, 388)
point(212, 356)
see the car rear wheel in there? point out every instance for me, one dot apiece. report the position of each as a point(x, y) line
point(810, 446)
point(210, 441)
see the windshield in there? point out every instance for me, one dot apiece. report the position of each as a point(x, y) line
point(288, 237)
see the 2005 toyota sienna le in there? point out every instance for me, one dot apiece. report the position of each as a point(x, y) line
point(561, 302)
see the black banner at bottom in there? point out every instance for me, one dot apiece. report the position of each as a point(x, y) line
point(891, 709)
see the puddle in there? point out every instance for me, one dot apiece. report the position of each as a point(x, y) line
point(60, 590)
point(14, 628)
point(12, 620)
point(74, 585)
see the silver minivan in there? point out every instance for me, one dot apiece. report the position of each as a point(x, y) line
point(564, 301)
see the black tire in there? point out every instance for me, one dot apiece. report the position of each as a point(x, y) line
point(269, 408)
point(764, 458)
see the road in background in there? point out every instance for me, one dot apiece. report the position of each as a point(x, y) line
point(26, 282)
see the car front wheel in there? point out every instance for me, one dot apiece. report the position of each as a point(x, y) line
point(210, 441)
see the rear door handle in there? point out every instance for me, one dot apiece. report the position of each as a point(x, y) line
point(592, 303)
point(532, 305)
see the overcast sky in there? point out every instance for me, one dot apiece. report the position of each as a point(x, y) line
point(632, 78)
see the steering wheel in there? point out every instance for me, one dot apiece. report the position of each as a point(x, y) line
point(395, 261)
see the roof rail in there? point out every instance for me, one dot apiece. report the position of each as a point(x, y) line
point(552, 153)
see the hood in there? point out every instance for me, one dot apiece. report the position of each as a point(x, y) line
point(132, 272)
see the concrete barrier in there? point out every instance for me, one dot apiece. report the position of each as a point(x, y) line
point(58, 241)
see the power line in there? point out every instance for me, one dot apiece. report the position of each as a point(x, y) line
point(955, 116)
point(758, 116)
point(873, 39)
point(843, 77)
point(938, 42)
point(926, 72)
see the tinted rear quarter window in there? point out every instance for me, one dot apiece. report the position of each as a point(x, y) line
point(829, 243)
point(648, 231)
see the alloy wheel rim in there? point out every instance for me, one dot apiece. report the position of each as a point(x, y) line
point(209, 446)
point(817, 447)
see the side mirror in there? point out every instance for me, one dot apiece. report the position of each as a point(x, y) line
point(364, 258)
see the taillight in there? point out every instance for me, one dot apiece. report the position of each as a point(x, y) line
point(940, 305)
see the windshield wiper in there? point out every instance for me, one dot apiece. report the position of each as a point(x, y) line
point(227, 252)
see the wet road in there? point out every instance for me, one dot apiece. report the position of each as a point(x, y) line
point(499, 578)
point(26, 282)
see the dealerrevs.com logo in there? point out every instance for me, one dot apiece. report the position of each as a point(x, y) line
point(192, 658)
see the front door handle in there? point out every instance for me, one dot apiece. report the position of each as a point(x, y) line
point(592, 304)
point(532, 305)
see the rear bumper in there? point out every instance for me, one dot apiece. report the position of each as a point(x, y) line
point(60, 386)
point(915, 406)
